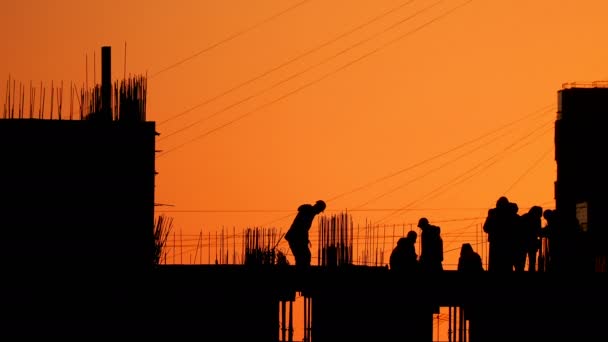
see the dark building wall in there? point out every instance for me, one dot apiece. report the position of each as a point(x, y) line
point(352, 313)
point(212, 303)
point(580, 141)
point(76, 196)
point(241, 303)
point(538, 307)
point(372, 304)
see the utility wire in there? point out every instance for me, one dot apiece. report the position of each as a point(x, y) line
point(377, 224)
point(226, 40)
point(307, 85)
point(473, 172)
point(299, 73)
point(483, 166)
point(285, 210)
point(533, 166)
point(441, 186)
point(542, 110)
point(290, 61)
point(433, 170)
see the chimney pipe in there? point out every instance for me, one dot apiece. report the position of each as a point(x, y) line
point(106, 83)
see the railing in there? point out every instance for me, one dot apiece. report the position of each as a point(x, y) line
point(594, 84)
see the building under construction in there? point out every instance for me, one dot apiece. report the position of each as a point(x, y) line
point(581, 185)
point(79, 259)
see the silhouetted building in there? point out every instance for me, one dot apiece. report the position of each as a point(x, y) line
point(78, 195)
point(77, 208)
point(582, 181)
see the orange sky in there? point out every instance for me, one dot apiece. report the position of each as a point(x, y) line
point(265, 105)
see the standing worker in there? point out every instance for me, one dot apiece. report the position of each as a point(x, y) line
point(469, 260)
point(500, 225)
point(431, 249)
point(297, 235)
point(403, 257)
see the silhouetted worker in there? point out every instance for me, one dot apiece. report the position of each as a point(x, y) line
point(469, 260)
point(547, 234)
point(528, 242)
point(499, 225)
point(431, 249)
point(515, 246)
point(403, 257)
point(564, 234)
point(297, 235)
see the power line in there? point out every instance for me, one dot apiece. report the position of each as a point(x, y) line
point(290, 61)
point(299, 73)
point(224, 211)
point(291, 211)
point(534, 165)
point(315, 81)
point(401, 209)
point(493, 157)
point(431, 171)
point(442, 188)
point(226, 40)
point(542, 111)
point(472, 172)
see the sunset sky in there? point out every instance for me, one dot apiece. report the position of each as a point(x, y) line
point(390, 110)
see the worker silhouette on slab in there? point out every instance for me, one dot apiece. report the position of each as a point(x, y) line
point(297, 235)
point(547, 233)
point(431, 249)
point(528, 239)
point(469, 260)
point(514, 244)
point(564, 235)
point(403, 257)
point(500, 225)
